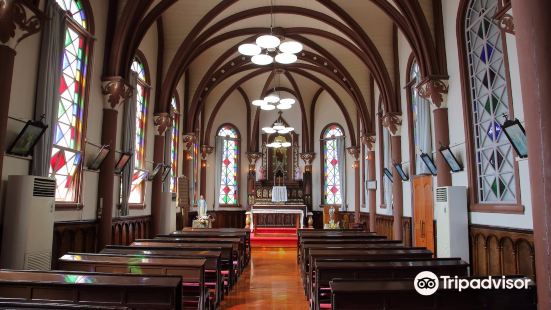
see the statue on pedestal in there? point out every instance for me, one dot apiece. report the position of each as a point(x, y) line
point(261, 174)
point(203, 220)
point(298, 174)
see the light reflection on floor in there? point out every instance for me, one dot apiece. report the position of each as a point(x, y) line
point(272, 281)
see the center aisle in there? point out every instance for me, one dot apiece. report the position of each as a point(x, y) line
point(272, 281)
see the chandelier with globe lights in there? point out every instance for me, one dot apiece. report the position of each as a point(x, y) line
point(269, 47)
point(280, 128)
point(274, 100)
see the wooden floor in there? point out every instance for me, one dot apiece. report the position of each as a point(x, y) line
point(272, 281)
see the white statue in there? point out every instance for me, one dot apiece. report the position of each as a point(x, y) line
point(298, 173)
point(201, 207)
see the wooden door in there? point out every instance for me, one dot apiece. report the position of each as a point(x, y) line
point(423, 212)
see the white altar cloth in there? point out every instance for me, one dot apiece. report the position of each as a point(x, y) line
point(279, 194)
point(286, 211)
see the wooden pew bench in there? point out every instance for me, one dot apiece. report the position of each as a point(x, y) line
point(325, 271)
point(367, 244)
point(24, 305)
point(371, 254)
point(191, 271)
point(238, 258)
point(91, 289)
point(401, 295)
point(353, 236)
point(242, 233)
point(226, 250)
point(213, 271)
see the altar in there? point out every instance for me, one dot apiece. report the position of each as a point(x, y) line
point(284, 215)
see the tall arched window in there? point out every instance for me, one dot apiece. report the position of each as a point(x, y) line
point(228, 161)
point(493, 156)
point(174, 140)
point(333, 164)
point(420, 118)
point(66, 160)
point(142, 98)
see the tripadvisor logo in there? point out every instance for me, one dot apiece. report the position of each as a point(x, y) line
point(427, 283)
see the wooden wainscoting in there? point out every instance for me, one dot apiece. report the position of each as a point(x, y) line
point(223, 219)
point(501, 251)
point(127, 229)
point(383, 226)
point(73, 236)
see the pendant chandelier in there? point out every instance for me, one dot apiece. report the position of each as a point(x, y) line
point(273, 100)
point(269, 47)
point(280, 128)
point(279, 142)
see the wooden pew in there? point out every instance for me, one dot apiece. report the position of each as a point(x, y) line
point(191, 271)
point(372, 254)
point(226, 250)
point(91, 289)
point(239, 255)
point(329, 236)
point(6, 304)
point(325, 271)
point(363, 243)
point(213, 271)
point(397, 294)
point(244, 234)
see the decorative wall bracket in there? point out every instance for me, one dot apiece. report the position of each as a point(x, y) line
point(393, 122)
point(188, 140)
point(354, 151)
point(435, 90)
point(161, 121)
point(308, 157)
point(253, 157)
point(115, 92)
point(369, 142)
point(18, 20)
point(205, 151)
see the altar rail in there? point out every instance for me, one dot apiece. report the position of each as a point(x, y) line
point(223, 219)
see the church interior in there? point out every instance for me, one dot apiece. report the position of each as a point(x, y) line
point(275, 154)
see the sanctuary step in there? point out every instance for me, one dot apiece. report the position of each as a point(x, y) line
point(274, 237)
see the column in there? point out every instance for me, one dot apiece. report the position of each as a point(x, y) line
point(369, 142)
point(18, 20)
point(355, 152)
point(206, 150)
point(531, 27)
point(161, 121)
point(308, 158)
point(393, 121)
point(436, 91)
point(251, 177)
point(187, 143)
point(115, 93)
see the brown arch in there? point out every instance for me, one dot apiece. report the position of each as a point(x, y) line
point(198, 99)
point(182, 60)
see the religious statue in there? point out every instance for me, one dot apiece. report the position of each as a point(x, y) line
point(332, 224)
point(203, 220)
point(261, 173)
point(298, 173)
point(201, 207)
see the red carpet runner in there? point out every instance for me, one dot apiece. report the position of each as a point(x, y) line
point(274, 237)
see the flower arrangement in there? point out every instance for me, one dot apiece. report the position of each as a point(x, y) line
point(205, 219)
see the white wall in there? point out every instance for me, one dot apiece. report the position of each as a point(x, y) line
point(456, 124)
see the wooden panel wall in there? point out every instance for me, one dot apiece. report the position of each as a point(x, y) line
point(74, 236)
point(501, 251)
point(126, 229)
point(223, 219)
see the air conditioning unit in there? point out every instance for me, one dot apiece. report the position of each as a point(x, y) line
point(452, 222)
point(28, 223)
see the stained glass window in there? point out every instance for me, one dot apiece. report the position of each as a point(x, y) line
point(174, 140)
point(331, 165)
point(230, 166)
point(65, 163)
point(489, 101)
point(421, 116)
point(137, 189)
